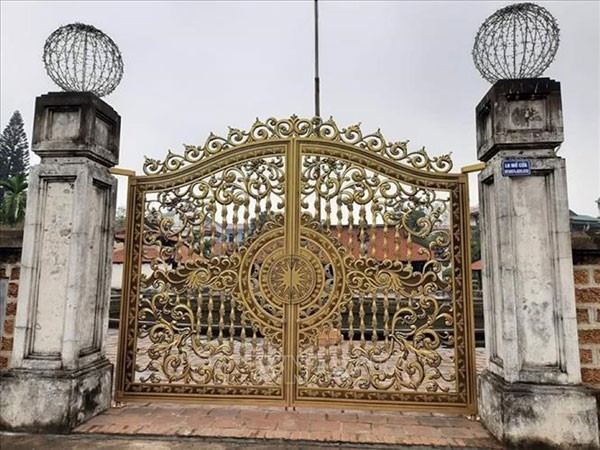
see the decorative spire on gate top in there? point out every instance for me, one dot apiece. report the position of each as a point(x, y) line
point(81, 58)
point(517, 41)
point(316, 128)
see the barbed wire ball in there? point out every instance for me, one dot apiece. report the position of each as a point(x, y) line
point(517, 41)
point(81, 58)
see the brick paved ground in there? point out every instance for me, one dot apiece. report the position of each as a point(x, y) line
point(304, 424)
point(316, 425)
point(17, 441)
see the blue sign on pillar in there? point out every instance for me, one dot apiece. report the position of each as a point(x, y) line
point(516, 168)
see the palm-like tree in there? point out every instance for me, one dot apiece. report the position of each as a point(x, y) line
point(12, 209)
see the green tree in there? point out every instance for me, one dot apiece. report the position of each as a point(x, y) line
point(14, 149)
point(12, 209)
point(207, 247)
point(475, 242)
point(120, 217)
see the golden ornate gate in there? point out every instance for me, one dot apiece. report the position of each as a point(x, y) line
point(299, 264)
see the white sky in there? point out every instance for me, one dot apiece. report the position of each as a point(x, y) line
point(405, 67)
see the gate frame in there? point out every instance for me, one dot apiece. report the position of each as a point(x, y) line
point(287, 138)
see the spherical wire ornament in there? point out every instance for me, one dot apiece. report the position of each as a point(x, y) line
point(81, 58)
point(518, 41)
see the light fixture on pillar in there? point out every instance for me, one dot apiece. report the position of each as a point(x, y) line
point(517, 41)
point(81, 58)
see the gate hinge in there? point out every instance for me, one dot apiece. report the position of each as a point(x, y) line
point(120, 171)
point(473, 168)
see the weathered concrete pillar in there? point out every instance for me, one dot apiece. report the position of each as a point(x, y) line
point(531, 393)
point(59, 375)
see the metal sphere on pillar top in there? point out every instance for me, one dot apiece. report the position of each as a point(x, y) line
point(81, 58)
point(517, 41)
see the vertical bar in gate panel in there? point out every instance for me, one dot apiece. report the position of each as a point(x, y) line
point(292, 236)
point(460, 202)
point(125, 288)
point(469, 309)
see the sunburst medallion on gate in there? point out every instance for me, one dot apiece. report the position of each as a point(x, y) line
point(291, 278)
point(313, 279)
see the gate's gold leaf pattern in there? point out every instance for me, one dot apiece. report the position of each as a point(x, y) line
point(362, 300)
point(276, 129)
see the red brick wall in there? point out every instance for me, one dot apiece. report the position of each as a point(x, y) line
point(10, 270)
point(587, 297)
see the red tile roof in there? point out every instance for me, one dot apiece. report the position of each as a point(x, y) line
point(384, 243)
point(384, 247)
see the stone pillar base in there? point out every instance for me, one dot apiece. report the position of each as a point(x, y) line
point(53, 401)
point(537, 416)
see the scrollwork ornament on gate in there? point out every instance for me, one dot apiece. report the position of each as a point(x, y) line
point(277, 129)
point(300, 241)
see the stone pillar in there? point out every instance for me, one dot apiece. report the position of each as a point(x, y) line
point(530, 394)
point(59, 375)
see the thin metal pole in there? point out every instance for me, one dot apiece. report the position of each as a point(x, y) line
point(317, 80)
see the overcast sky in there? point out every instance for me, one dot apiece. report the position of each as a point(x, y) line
point(405, 67)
